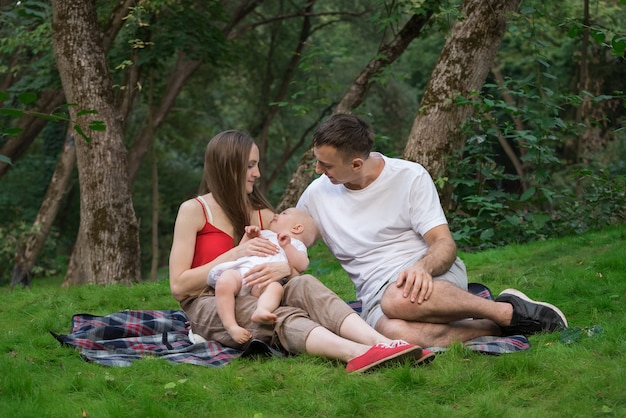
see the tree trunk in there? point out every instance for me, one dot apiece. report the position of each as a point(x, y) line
point(463, 65)
point(387, 54)
point(261, 132)
point(178, 78)
point(107, 246)
point(583, 85)
point(28, 252)
point(155, 216)
point(509, 151)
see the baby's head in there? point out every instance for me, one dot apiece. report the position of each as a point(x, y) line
point(297, 223)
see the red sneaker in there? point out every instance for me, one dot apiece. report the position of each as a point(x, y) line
point(381, 353)
point(427, 357)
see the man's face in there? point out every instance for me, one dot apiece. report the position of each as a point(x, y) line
point(330, 163)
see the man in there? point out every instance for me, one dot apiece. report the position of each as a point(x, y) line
point(382, 219)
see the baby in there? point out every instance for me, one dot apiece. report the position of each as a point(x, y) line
point(292, 231)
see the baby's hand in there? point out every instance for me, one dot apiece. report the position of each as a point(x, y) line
point(283, 239)
point(253, 231)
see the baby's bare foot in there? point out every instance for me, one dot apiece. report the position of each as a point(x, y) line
point(263, 316)
point(238, 334)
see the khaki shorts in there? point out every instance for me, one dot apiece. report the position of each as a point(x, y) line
point(457, 275)
point(306, 304)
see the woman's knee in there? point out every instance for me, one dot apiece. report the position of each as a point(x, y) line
point(305, 280)
point(301, 286)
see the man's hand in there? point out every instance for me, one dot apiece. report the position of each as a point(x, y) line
point(417, 280)
point(417, 283)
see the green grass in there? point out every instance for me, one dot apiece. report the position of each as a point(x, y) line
point(584, 275)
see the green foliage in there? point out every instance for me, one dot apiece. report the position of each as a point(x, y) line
point(9, 241)
point(569, 175)
point(12, 236)
point(19, 205)
point(196, 34)
point(29, 98)
point(26, 43)
point(490, 206)
point(595, 200)
point(600, 32)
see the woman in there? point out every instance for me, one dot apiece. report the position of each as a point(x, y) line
point(311, 319)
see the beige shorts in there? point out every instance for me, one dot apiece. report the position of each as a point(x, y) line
point(306, 304)
point(457, 275)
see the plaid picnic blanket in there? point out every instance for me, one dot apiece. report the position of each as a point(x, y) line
point(122, 337)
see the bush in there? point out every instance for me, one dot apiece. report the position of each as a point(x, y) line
point(11, 237)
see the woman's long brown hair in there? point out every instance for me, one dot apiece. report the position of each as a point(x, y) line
point(225, 169)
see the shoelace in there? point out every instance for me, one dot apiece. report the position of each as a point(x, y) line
point(394, 344)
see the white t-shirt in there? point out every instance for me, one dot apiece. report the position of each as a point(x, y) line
point(376, 232)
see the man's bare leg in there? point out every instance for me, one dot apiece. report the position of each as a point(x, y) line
point(512, 313)
point(448, 303)
point(436, 335)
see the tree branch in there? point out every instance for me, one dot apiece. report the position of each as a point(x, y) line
point(254, 25)
point(387, 54)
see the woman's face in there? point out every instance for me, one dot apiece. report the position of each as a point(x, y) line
point(253, 169)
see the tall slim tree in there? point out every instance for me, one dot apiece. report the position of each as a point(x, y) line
point(107, 246)
point(27, 253)
point(387, 53)
point(33, 243)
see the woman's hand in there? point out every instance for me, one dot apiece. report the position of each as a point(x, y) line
point(259, 247)
point(266, 273)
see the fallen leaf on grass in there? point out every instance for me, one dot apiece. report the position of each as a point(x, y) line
point(574, 334)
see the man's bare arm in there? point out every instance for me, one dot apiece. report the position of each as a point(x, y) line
point(417, 280)
point(441, 251)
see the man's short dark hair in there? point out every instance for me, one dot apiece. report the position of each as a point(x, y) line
point(350, 134)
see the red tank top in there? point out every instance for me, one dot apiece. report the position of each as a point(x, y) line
point(211, 241)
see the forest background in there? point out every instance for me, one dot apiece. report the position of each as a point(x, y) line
point(103, 143)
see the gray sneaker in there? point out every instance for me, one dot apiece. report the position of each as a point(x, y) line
point(529, 316)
